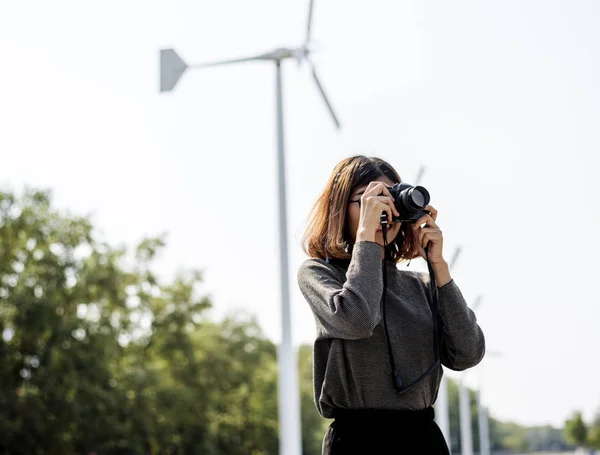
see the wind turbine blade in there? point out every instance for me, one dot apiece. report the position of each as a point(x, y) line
point(420, 175)
point(477, 302)
point(309, 23)
point(455, 257)
point(316, 78)
point(237, 60)
point(172, 68)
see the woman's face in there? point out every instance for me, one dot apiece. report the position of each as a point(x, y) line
point(353, 215)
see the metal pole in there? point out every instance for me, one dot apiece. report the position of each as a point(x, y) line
point(484, 436)
point(442, 411)
point(486, 432)
point(466, 436)
point(290, 441)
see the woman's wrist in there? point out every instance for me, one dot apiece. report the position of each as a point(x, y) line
point(442, 273)
point(365, 235)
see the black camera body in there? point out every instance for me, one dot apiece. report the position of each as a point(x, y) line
point(410, 201)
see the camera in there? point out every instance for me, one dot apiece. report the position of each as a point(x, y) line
point(410, 201)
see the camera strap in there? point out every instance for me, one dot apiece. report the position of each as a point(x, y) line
point(434, 307)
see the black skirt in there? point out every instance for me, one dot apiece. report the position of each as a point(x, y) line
point(383, 432)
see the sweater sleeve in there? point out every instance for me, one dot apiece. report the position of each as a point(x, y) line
point(463, 343)
point(349, 308)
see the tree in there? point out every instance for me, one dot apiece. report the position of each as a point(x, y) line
point(55, 366)
point(576, 430)
point(594, 432)
point(97, 355)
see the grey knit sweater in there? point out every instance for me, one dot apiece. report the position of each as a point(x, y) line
point(351, 367)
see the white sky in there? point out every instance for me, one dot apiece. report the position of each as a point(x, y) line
point(501, 103)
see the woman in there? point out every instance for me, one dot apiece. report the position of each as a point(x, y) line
point(380, 380)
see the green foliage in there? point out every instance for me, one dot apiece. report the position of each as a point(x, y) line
point(546, 438)
point(594, 432)
point(580, 434)
point(576, 430)
point(504, 436)
point(512, 436)
point(98, 357)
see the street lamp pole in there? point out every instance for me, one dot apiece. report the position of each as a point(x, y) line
point(484, 434)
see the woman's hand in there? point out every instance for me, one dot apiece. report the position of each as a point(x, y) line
point(430, 234)
point(375, 200)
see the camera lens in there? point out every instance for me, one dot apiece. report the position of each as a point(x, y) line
point(410, 200)
point(418, 198)
point(415, 198)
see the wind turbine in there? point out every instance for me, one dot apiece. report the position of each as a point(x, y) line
point(172, 67)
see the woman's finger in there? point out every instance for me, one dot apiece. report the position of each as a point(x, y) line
point(433, 212)
point(375, 205)
point(378, 188)
point(371, 190)
point(427, 234)
point(384, 207)
point(388, 201)
point(430, 238)
point(427, 220)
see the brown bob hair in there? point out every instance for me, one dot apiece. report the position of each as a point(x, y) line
point(326, 232)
